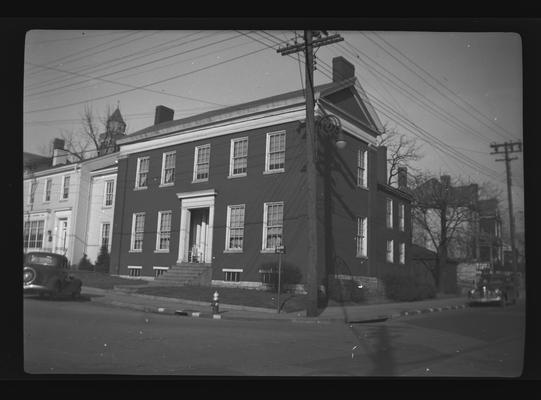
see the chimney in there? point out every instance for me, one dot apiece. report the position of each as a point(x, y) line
point(445, 180)
point(163, 114)
point(381, 164)
point(342, 69)
point(402, 178)
point(60, 155)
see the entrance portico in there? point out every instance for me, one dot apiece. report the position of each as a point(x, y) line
point(196, 226)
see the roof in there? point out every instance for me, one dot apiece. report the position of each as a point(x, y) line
point(405, 194)
point(116, 116)
point(232, 112)
point(36, 162)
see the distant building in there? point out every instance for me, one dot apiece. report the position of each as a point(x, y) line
point(115, 130)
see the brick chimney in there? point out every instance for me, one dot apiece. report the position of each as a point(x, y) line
point(163, 114)
point(381, 164)
point(60, 155)
point(342, 69)
point(402, 178)
point(445, 180)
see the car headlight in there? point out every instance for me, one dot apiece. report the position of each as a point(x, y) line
point(28, 275)
point(497, 292)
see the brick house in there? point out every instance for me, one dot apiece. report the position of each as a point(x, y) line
point(208, 198)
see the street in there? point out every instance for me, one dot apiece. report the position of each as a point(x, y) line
point(81, 337)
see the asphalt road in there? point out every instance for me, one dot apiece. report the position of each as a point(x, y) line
point(81, 337)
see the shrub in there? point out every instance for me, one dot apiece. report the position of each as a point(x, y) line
point(85, 264)
point(345, 290)
point(289, 275)
point(103, 260)
point(408, 284)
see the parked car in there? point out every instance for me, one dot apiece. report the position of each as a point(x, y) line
point(494, 288)
point(48, 274)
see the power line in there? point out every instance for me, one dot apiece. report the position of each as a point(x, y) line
point(444, 86)
point(147, 85)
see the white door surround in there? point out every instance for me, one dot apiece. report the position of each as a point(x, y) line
point(189, 201)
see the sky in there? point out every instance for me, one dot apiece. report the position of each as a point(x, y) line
point(455, 92)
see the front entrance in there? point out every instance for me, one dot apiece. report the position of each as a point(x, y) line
point(196, 226)
point(198, 235)
point(61, 236)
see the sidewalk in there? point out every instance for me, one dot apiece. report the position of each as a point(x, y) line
point(344, 314)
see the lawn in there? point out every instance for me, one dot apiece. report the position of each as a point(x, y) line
point(236, 296)
point(101, 280)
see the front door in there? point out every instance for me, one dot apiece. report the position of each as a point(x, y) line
point(198, 237)
point(61, 236)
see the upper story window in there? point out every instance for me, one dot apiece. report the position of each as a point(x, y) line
point(362, 163)
point(275, 155)
point(401, 217)
point(141, 176)
point(389, 215)
point(238, 163)
point(273, 224)
point(48, 186)
point(201, 163)
point(234, 239)
point(168, 168)
point(109, 193)
point(65, 187)
point(163, 238)
point(361, 236)
point(32, 192)
point(137, 231)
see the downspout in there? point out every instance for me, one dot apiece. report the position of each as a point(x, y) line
point(119, 247)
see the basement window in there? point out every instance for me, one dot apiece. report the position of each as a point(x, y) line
point(134, 271)
point(158, 271)
point(232, 275)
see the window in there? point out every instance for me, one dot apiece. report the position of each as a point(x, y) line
point(31, 195)
point(402, 253)
point(238, 164)
point(234, 236)
point(48, 186)
point(361, 237)
point(159, 271)
point(389, 213)
point(163, 237)
point(168, 168)
point(232, 275)
point(201, 163)
point(273, 215)
point(362, 162)
point(109, 193)
point(390, 251)
point(276, 152)
point(267, 276)
point(105, 234)
point(65, 187)
point(141, 176)
point(401, 213)
point(137, 231)
point(134, 271)
point(33, 234)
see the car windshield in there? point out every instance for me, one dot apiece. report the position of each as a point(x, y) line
point(43, 259)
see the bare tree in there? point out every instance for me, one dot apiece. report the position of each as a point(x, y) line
point(443, 212)
point(402, 151)
point(85, 143)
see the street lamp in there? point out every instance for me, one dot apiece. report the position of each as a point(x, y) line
point(331, 125)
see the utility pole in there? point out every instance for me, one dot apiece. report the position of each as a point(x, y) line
point(312, 259)
point(508, 148)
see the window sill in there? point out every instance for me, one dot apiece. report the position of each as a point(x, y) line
point(135, 251)
point(362, 258)
point(200, 180)
point(363, 187)
point(161, 251)
point(268, 251)
point(140, 188)
point(274, 171)
point(231, 251)
point(105, 207)
point(62, 200)
point(162, 185)
point(237, 176)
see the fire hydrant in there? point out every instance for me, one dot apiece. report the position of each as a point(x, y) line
point(215, 303)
